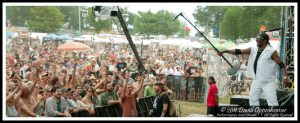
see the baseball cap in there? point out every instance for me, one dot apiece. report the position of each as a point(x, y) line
point(262, 36)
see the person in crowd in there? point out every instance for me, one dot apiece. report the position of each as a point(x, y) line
point(167, 89)
point(122, 65)
point(90, 100)
point(161, 102)
point(56, 106)
point(27, 102)
point(149, 90)
point(168, 71)
point(128, 98)
point(178, 78)
point(12, 96)
point(110, 97)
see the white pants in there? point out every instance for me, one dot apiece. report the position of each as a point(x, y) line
point(269, 89)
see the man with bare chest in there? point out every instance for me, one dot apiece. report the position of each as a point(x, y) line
point(26, 103)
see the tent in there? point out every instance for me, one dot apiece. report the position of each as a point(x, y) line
point(50, 36)
point(63, 37)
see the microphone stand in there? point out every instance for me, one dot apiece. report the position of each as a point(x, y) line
point(207, 41)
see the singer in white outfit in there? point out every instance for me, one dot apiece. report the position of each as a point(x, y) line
point(262, 67)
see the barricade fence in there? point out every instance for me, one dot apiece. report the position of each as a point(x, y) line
point(187, 88)
point(144, 106)
point(184, 88)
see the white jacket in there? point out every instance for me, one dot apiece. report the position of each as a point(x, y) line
point(266, 67)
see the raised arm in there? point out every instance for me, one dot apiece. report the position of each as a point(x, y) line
point(38, 70)
point(124, 88)
point(73, 76)
point(236, 51)
point(83, 78)
point(12, 95)
point(135, 92)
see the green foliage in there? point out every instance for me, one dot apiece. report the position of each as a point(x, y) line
point(18, 14)
point(209, 16)
point(145, 24)
point(45, 19)
point(182, 32)
point(100, 25)
point(160, 23)
point(238, 21)
point(71, 16)
point(230, 23)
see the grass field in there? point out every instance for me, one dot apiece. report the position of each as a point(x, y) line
point(188, 108)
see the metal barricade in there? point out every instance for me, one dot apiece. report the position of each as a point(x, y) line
point(189, 89)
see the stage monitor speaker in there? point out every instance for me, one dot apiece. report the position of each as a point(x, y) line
point(244, 101)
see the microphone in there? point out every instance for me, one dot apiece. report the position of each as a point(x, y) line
point(177, 16)
point(270, 30)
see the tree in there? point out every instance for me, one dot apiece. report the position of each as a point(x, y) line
point(237, 21)
point(71, 16)
point(182, 32)
point(145, 24)
point(160, 23)
point(18, 14)
point(209, 16)
point(230, 24)
point(100, 25)
point(45, 19)
point(165, 24)
point(248, 21)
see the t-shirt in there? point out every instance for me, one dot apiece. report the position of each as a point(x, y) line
point(107, 96)
point(129, 106)
point(149, 91)
point(211, 100)
point(158, 105)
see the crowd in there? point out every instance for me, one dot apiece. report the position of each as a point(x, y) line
point(44, 81)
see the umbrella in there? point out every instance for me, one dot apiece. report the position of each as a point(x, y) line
point(51, 36)
point(73, 46)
